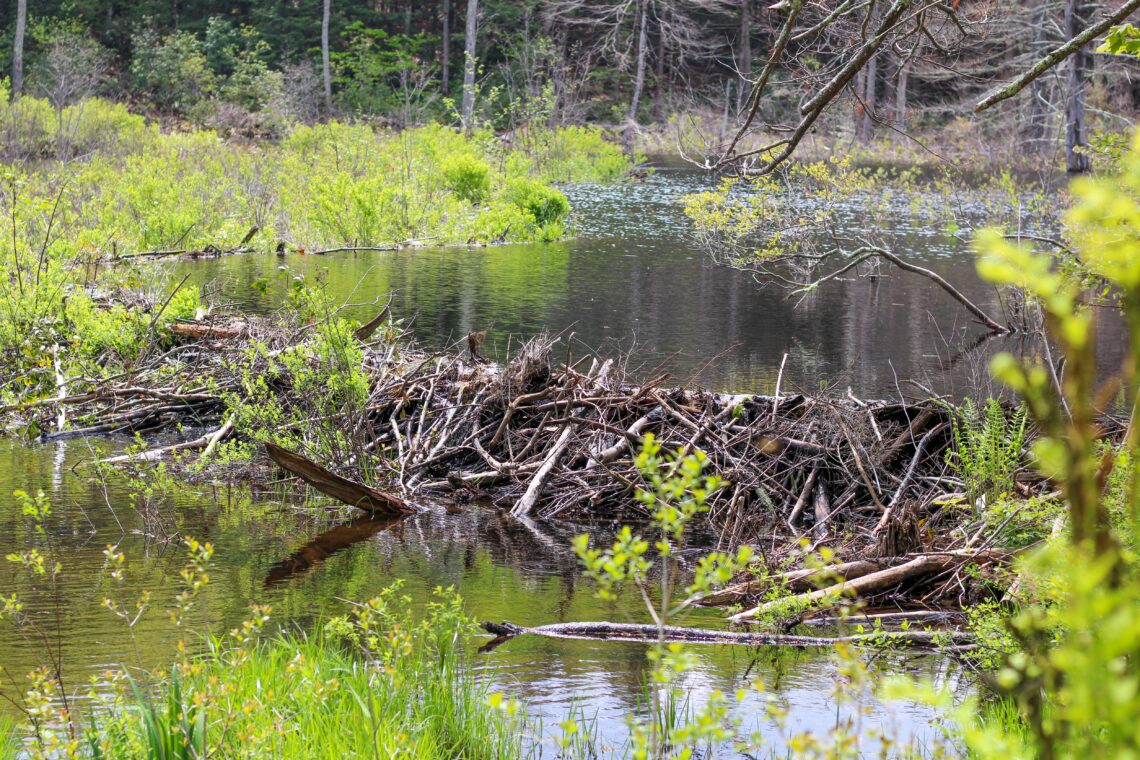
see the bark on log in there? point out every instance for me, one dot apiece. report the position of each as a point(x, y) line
point(795, 580)
point(606, 631)
point(330, 484)
point(208, 332)
point(926, 564)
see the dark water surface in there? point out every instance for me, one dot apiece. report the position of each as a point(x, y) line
point(630, 281)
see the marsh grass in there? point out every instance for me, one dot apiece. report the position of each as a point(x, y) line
point(380, 682)
point(8, 744)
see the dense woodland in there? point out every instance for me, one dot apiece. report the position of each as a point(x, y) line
point(252, 67)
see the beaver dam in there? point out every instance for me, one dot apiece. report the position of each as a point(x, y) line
point(550, 436)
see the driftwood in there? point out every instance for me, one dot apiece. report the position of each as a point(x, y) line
point(606, 631)
point(923, 565)
point(795, 580)
point(330, 484)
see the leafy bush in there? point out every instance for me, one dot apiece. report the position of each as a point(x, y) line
point(544, 206)
point(468, 177)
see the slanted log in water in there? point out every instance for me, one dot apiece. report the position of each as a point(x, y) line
point(606, 631)
point(330, 484)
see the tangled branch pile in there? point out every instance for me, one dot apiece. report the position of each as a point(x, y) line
point(536, 436)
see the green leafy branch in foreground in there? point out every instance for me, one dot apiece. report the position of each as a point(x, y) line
point(678, 491)
point(1074, 676)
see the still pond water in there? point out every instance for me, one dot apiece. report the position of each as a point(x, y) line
point(630, 281)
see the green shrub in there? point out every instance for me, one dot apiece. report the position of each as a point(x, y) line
point(468, 177)
point(545, 205)
point(987, 448)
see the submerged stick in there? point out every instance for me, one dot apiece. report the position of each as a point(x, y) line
point(606, 631)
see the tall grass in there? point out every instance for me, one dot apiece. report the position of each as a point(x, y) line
point(8, 745)
point(379, 683)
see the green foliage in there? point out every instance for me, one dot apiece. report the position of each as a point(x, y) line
point(8, 738)
point(987, 448)
point(760, 219)
point(172, 68)
point(378, 72)
point(1122, 40)
point(1073, 671)
point(541, 209)
point(467, 176)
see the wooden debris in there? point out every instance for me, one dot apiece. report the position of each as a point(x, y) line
point(606, 631)
point(330, 484)
point(922, 565)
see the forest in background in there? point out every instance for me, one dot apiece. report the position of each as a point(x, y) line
point(253, 68)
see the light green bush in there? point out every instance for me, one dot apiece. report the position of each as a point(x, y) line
point(468, 177)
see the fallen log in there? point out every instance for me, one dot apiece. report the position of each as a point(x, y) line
point(606, 631)
point(208, 332)
point(206, 443)
point(330, 484)
point(926, 564)
point(794, 580)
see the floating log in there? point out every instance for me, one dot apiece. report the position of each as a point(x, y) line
point(606, 631)
point(341, 488)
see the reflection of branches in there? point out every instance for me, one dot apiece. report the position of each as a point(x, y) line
point(867, 251)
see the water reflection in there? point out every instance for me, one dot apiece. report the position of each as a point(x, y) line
point(504, 569)
point(633, 282)
point(334, 540)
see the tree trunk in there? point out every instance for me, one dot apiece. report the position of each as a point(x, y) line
point(744, 64)
point(1076, 161)
point(659, 74)
point(18, 48)
point(326, 69)
point(642, 45)
point(900, 93)
point(867, 123)
point(445, 64)
point(469, 64)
